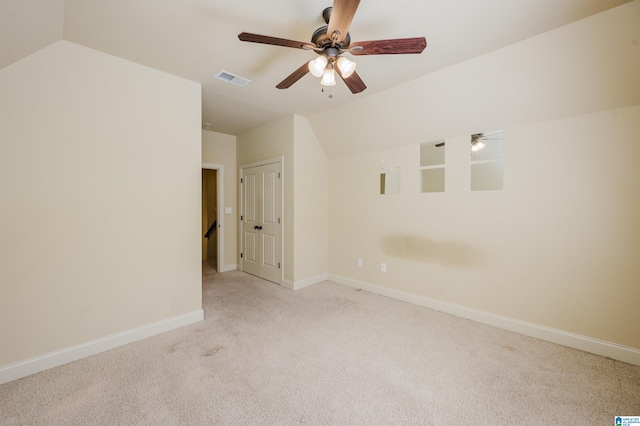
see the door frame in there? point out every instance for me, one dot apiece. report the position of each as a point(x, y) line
point(241, 168)
point(221, 211)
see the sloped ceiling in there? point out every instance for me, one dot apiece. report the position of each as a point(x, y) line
point(195, 39)
point(590, 66)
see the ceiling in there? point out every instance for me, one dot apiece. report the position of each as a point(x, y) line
point(195, 39)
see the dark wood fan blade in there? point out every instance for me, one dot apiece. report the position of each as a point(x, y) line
point(395, 46)
point(342, 13)
point(354, 82)
point(294, 76)
point(275, 41)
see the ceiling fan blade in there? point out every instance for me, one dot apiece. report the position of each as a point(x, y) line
point(389, 47)
point(294, 76)
point(342, 13)
point(354, 82)
point(275, 41)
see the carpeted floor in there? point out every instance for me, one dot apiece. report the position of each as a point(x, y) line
point(326, 355)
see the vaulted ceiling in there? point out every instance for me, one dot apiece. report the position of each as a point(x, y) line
point(195, 39)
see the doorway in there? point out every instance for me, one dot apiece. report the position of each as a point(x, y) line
point(212, 217)
point(261, 220)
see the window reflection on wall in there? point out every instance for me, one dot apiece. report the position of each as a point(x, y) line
point(487, 161)
point(390, 183)
point(391, 168)
point(432, 161)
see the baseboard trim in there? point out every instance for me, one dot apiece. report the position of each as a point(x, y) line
point(227, 268)
point(310, 281)
point(287, 284)
point(297, 285)
point(572, 340)
point(37, 364)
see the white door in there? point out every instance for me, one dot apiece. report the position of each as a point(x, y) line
point(261, 221)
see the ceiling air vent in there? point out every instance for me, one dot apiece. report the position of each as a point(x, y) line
point(232, 78)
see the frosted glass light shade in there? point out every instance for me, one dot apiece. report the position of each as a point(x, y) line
point(317, 66)
point(346, 66)
point(329, 77)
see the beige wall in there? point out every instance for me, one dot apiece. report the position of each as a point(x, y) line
point(220, 148)
point(36, 24)
point(99, 199)
point(310, 188)
point(558, 246)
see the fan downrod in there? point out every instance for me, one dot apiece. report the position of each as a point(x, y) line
point(326, 14)
point(320, 37)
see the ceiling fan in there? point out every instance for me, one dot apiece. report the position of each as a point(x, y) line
point(331, 41)
point(477, 140)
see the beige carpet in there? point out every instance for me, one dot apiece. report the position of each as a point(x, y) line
point(326, 355)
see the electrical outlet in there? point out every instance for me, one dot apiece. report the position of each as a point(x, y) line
point(360, 263)
point(383, 267)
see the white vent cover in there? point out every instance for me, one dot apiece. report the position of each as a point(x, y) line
point(232, 78)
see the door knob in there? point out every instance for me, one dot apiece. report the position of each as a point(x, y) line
point(257, 227)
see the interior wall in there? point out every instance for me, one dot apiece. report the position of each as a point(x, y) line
point(99, 199)
point(275, 139)
point(220, 148)
point(557, 247)
point(311, 200)
point(36, 24)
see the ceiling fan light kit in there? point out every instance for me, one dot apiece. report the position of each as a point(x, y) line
point(347, 67)
point(328, 77)
point(331, 41)
point(318, 65)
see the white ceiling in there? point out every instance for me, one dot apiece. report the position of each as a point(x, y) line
point(195, 39)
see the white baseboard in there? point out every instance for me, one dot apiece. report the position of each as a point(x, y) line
point(227, 268)
point(572, 340)
point(54, 359)
point(297, 285)
point(310, 281)
point(287, 284)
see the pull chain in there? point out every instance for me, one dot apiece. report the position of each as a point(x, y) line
point(330, 92)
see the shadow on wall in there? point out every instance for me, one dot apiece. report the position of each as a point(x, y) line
point(420, 249)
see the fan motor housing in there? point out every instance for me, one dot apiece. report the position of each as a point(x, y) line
point(320, 39)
